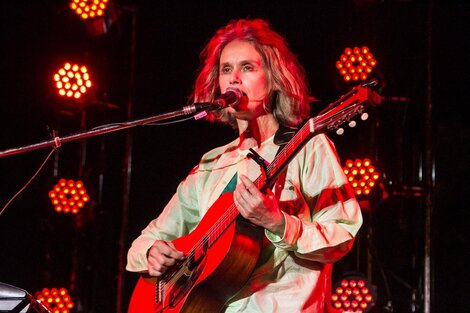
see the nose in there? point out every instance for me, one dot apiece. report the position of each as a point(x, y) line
point(235, 78)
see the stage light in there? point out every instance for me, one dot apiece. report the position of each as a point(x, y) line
point(355, 63)
point(98, 15)
point(353, 293)
point(72, 80)
point(362, 175)
point(55, 300)
point(68, 196)
point(88, 9)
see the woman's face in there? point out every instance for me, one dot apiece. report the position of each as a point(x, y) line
point(241, 67)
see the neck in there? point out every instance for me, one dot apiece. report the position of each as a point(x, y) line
point(253, 133)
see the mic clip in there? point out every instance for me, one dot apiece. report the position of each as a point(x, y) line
point(201, 108)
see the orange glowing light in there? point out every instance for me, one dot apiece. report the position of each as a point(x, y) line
point(56, 300)
point(68, 196)
point(356, 294)
point(356, 63)
point(72, 80)
point(362, 175)
point(88, 9)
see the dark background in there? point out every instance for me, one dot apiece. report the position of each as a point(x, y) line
point(422, 52)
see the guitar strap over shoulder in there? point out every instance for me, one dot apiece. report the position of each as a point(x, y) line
point(283, 135)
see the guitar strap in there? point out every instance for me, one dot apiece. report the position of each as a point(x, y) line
point(283, 135)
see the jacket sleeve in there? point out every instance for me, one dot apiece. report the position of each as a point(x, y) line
point(178, 217)
point(321, 212)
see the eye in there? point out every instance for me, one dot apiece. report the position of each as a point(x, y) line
point(247, 68)
point(225, 70)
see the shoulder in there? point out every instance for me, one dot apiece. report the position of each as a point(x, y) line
point(210, 158)
point(317, 150)
point(320, 142)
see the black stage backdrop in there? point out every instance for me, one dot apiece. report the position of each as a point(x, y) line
point(145, 60)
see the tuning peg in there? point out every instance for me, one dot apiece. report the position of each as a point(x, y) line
point(364, 116)
point(352, 124)
point(340, 131)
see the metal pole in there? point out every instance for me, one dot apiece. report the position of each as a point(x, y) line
point(428, 165)
point(126, 171)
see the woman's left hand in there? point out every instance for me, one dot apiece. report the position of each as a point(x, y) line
point(262, 210)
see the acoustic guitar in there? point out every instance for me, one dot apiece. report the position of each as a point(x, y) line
point(222, 251)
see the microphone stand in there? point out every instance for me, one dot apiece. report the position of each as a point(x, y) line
point(57, 141)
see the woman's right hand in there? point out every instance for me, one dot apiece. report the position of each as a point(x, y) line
point(161, 256)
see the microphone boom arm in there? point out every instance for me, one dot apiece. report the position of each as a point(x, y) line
point(99, 130)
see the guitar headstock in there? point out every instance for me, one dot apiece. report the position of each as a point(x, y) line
point(346, 107)
point(337, 113)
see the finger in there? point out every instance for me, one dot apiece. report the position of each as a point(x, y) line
point(155, 266)
point(240, 203)
point(249, 185)
point(168, 250)
point(240, 190)
point(180, 254)
point(157, 270)
point(245, 181)
point(251, 196)
point(159, 264)
point(241, 196)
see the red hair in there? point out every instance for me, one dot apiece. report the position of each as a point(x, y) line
point(289, 95)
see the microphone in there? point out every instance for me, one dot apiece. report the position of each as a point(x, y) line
point(232, 97)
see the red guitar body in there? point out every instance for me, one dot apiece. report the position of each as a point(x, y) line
point(221, 270)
